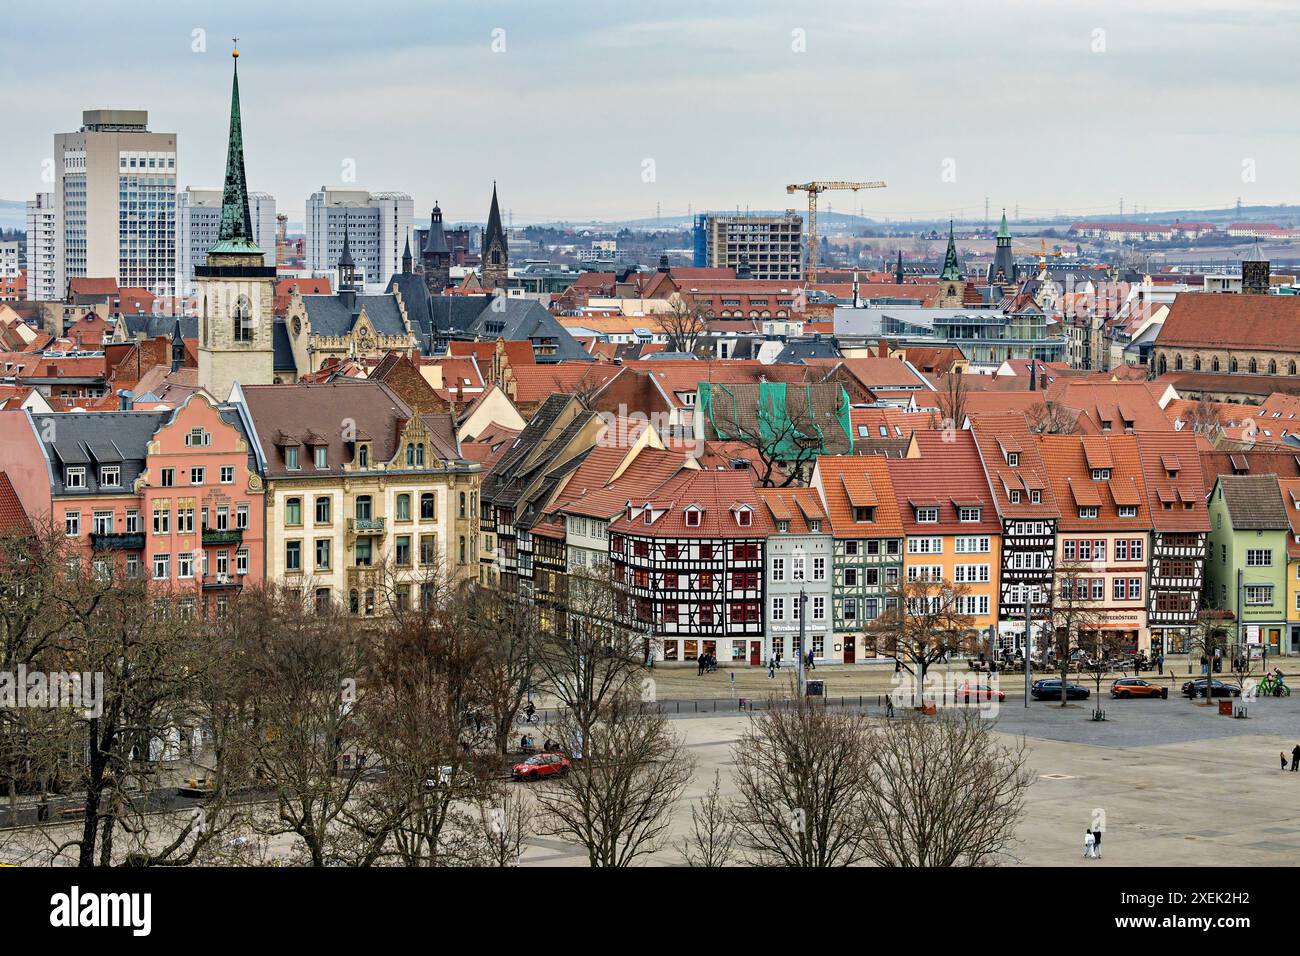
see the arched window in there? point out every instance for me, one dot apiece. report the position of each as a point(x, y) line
point(419, 455)
point(1232, 364)
point(1214, 364)
point(1253, 367)
point(1272, 366)
point(1164, 365)
point(352, 601)
point(242, 317)
point(363, 508)
point(403, 507)
point(462, 504)
point(428, 505)
point(1178, 363)
point(410, 454)
point(1196, 363)
point(363, 456)
point(1291, 368)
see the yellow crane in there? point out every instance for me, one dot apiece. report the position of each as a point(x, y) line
point(812, 189)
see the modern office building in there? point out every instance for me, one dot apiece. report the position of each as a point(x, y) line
point(41, 233)
point(378, 227)
point(115, 202)
point(771, 247)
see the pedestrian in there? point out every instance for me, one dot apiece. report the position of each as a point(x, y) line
point(1283, 756)
point(778, 660)
point(699, 666)
point(1089, 841)
point(1096, 843)
point(1295, 758)
point(1160, 664)
point(811, 664)
point(771, 671)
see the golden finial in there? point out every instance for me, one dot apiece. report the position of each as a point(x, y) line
point(235, 52)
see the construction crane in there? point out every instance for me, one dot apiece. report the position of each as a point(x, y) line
point(812, 189)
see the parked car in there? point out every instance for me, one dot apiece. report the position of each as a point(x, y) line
point(539, 766)
point(1127, 687)
point(1050, 689)
point(1196, 688)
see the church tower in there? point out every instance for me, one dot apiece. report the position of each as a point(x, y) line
point(435, 257)
point(1255, 272)
point(495, 265)
point(236, 287)
point(1003, 270)
point(952, 288)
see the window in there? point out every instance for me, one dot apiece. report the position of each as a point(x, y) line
point(402, 550)
point(1015, 497)
point(819, 569)
point(1135, 549)
point(851, 549)
point(323, 555)
point(196, 476)
point(968, 514)
point(1128, 511)
point(74, 477)
point(925, 572)
point(403, 507)
point(864, 514)
point(971, 574)
point(1257, 594)
point(227, 474)
point(322, 510)
point(819, 609)
point(162, 567)
point(1259, 558)
point(223, 517)
point(185, 518)
point(320, 455)
point(797, 568)
point(292, 557)
point(185, 564)
point(744, 517)
point(102, 522)
point(162, 519)
point(977, 544)
point(1013, 458)
point(110, 476)
point(778, 609)
point(291, 458)
point(850, 577)
point(778, 569)
point(925, 545)
point(363, 456)
point(1088, 512)
point(167, 477)
point(241, 561)
point(72, 523)
point(363, 507)
point(927, 515)
point(428, 549)
point(850, 609)
point(1101, 474)
point(428, 506)
point(293, 511)
point(692, 518)
point(197, 438)
point(1035, 497)
point(241, 516)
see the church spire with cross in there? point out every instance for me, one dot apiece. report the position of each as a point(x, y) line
point(236, 232)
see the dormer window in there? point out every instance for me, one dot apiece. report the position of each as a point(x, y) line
point(1015, 497)
point(1128, 511)
point(320, 454)
point(1101, 474)
point(1089, 512)
point(291, 457)
point(969, 515)
point(110, 476)
point(815, 525)
point(363, 456)
point(1035, 497)
point(927, 515)
point(783, 526)
point(869, 514)
point(1013, 459)
point(744, 517)
point(692, 517)
point(74, 477)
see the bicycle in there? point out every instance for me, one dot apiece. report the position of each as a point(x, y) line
point(1269, 687)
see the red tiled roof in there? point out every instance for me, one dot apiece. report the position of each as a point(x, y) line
point(1068, 466)
point(836, 475)
point(716, 494)
point(948, 471)
point(13, 517)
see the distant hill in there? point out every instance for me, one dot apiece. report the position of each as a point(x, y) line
point(13, 214)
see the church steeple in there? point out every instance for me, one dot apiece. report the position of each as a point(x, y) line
point(898, 269)
point(236, 232)
point(1003, 267)
point(435, 255)
point(406, 257)
point(494, 270)
point(951, 268)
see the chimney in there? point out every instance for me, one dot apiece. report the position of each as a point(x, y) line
point(125, 400)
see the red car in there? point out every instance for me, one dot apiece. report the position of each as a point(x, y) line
point(975, 693)
point(539, 766)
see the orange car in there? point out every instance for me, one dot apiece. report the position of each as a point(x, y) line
point(1136, 687)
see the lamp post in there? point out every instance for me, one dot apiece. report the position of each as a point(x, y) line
point(803, 608)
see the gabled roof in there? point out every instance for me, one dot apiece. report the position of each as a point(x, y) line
point(1067, 461)
point(1261, 322)
point(717, 495)
point(836, 475)
point(1171, 468)
point(999, 435)
point(1254, 503)
point(947, 475)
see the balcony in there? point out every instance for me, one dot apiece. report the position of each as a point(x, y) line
point(222, 582)
point(363, 576)
point(233, 536)
point(126, 541)
point(372, 526)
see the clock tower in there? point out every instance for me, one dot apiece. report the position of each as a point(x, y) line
point(236, 286)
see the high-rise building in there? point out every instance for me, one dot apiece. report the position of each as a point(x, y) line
point(378, 227)
point(41, 233)
point(115, 202)
point(772, 245)
point(236, 287)
point(198, 220)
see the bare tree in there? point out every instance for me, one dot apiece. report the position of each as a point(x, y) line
point(618, 798)
point(952, 399)
point(1204, 417)
point(801, 775)
point(683, 323)
point(942, 791)
point(1209, 641)
point(594, 652)
point(924, 622)
point(711, 841)
point(505, 822)
point(509, 632)
point(1075, 611)
point(1052, 418)
point(781, 427)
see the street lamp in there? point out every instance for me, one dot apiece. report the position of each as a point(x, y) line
point(803, 608)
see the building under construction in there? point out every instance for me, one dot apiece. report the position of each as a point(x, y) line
point(757, 247)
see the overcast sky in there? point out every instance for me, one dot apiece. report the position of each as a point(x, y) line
point(604, 109)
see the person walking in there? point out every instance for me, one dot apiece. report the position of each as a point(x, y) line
point(1096, 843)
point(771, 670)
point(1283, 756)
point(1088, 843)
point(1295, 758)
point(1160, 664)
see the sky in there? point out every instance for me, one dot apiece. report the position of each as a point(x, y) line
point(620, 110)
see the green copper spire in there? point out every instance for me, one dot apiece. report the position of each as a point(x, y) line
point(236, 235)
point(951, 269)
point(1003, 231)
